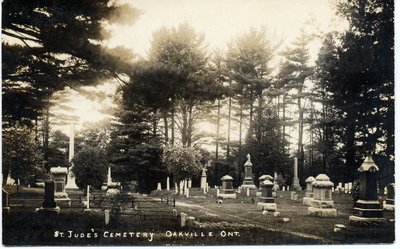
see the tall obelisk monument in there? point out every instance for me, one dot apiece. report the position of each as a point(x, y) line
point(71, 177)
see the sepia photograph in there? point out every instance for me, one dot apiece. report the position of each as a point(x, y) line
point(198, 122)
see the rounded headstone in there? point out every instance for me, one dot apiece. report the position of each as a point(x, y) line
point(323, 180)
point(226, 177)
point(310, 179)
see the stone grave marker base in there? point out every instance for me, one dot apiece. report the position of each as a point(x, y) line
point(55, 210)
point(249, 186)
point(322, 212)
point(366, 221)
point(227, 196)
point(267, 206)
point(307, 201)
point(388, 207)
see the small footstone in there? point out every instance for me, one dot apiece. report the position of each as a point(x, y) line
point(219, 201)
point(336, 229)
point(264, 212)
point(277, 214)
point(285, 219)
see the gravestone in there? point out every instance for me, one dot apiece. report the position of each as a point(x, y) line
point(389, 202)
point(113, 188)
point(159, 186)
point(168, 187)
point(71, 184)
point(181, 188)
point(367, 209)
point(183, 219)
point(346, 188)
point(309, 191)
point(322, 204)
point(227, 191)
point(6, 206)
point(296, 181)
point(190, 183)
point(267, 201)
point(59, 174)
point(49, 204)
point(106, 216)
point(276, 186)
point(248, 181)
point(87, 209)
point(203, 181)
point(292, 195)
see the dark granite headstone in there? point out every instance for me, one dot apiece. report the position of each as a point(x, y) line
point(266, 192)
point(49, 191)
point(367, 208)
point(390, 194)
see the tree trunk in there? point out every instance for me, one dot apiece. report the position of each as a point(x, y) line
point(190, 126)
point(300, 147)
point(173, 123)
point(218, 119)
point(229, 127)
point(165, 128)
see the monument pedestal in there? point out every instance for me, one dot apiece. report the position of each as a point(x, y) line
point(296, 184)
point(49, 204)
point(367, 209)
point(248, 181)
point(322, 204)
point(227, 191)
point(307, 201)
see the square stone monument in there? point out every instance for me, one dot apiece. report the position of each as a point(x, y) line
point(367, 209)
point(248, 181)
point(309, 191)
point(227, 191)
point(49, 204)
point(267, 201)
point(322, 204)
point(59, 174)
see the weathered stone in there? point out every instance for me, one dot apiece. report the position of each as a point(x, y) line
point(277, 214)
point(367, 210)
point(322, 212)
point(190, 221)
point(59, 174)
point(49, 204)
point(248, 181)
point(296, 182)
point(183, 219)
point(322, 204)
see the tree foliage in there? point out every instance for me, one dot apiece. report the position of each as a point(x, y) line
point(358, 73)
point(182, 162)
point(21, 157)
point(90, 167)
point(49, 45)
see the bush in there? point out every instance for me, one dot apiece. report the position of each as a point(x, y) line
point(90, 167)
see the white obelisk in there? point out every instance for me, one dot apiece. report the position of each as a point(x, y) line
point(71, 177)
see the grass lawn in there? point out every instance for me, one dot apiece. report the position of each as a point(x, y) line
point(233, 222)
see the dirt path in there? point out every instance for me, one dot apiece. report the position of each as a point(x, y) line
point(251, 221)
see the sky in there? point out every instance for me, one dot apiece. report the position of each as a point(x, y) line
point(223, 20)
point(219, 20)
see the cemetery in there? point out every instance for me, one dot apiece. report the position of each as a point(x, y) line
point(158, 123)
point(194, 213)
